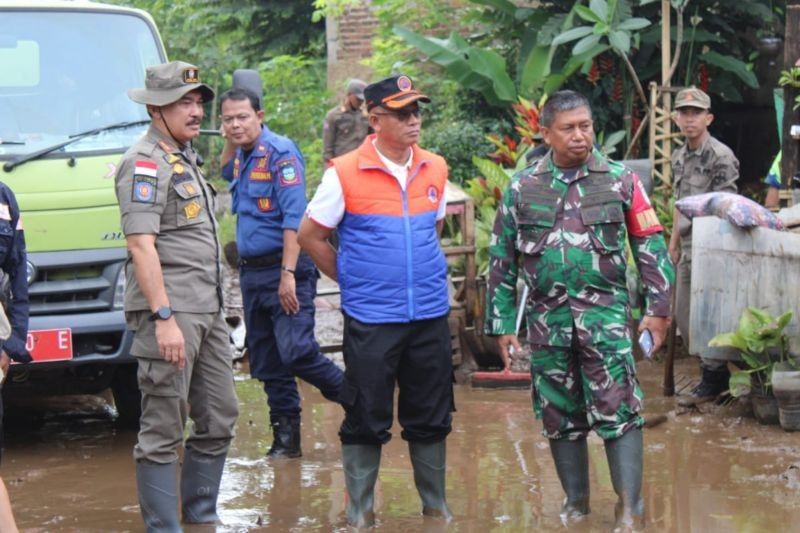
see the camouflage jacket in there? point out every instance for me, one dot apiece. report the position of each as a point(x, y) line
point(569, 236)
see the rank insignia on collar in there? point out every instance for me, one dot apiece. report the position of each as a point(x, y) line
point(192, 209)
point(167, 147)
point(261, 148)
point(171, 158)
point(264, 204)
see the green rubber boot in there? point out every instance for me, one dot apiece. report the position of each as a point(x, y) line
point(361, 463)
point(429, 461)
point(572, 464)
point(157, 485)
point(625, 458)
point(200, 478)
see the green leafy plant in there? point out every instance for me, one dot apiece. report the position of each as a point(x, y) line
point(761, 341)
point(791, 78)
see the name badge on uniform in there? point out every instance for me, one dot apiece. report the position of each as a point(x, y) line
point(260, 175)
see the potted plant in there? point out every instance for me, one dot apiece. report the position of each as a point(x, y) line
point(762, 343)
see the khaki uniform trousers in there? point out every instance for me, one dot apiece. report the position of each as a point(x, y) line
point(203, 389)
point(683, 304)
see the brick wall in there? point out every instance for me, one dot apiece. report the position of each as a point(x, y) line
point(349, 40)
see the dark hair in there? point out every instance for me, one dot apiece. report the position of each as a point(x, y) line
point(561, 101)
point(238, 94)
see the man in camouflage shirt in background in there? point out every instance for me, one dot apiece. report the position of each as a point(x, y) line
point(566, 221)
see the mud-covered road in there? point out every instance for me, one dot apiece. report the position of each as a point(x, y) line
point(704, 471)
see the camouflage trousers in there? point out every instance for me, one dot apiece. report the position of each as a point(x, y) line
point(590, 385)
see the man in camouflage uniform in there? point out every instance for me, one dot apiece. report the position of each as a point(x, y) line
point(701, 165)
point(566, 221)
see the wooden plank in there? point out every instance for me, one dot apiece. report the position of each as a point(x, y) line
point(791, 54)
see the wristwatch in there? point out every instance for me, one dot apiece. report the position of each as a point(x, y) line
point(162, 313)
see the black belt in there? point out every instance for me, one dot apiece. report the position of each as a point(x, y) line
point(261, 261)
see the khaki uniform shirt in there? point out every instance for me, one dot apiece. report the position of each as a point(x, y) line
point(710, 168)
point(161, 191)
point(344, 131)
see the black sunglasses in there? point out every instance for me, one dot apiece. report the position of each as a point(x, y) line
point(403, 114)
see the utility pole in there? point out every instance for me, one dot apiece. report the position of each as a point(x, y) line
point(791, 53)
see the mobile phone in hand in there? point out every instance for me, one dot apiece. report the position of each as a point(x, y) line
point(646, 343)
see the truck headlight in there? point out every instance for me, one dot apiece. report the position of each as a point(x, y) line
point(119, 290)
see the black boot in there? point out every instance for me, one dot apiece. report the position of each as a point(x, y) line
point(361, 463)
point(714, 383)
point(200, 478)
point(572, 464)
point(429, 462)
point(157, 485)
point(625, 463)
point(285, 438)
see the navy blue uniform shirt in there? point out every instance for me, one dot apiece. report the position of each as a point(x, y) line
point(267, 193)
point(13, 261)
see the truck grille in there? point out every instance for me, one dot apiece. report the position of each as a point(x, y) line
point(74, 281)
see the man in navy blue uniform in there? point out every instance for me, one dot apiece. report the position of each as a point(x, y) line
point(278, 283)
point(14, 292)
point(13, 261)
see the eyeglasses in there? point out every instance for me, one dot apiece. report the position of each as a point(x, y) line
point(403, 114)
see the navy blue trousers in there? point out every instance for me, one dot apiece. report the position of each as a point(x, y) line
point(282, 346)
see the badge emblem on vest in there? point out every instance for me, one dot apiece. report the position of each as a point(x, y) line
point(433, 194)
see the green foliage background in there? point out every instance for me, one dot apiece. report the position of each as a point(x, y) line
point(279, 38)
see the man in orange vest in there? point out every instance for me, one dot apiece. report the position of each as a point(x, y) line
point(386, 201)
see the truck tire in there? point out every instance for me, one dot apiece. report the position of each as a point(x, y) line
point(127, 398)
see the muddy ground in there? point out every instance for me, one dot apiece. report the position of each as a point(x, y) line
point(713, 469)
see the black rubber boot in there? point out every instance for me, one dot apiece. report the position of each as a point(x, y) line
point(572, 464)
point(285, 438)
point(361, 463)
point(625, 463)
point(429, 462)
point(200, 477)
point(713, 383)
point(157, 484)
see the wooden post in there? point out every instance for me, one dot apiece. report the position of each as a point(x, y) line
point(666, 96)
point(791, 53)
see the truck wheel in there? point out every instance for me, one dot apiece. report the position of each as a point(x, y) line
point(127, 398)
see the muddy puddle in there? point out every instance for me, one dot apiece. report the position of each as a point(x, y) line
point(711, 470)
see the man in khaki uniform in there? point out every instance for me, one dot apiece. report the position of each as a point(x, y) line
point(173, 303)
point(346, 125)
point(701, 165)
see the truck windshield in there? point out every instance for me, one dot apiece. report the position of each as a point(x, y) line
point(66, 72)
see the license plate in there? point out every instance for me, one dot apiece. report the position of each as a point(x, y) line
point(46, 345)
